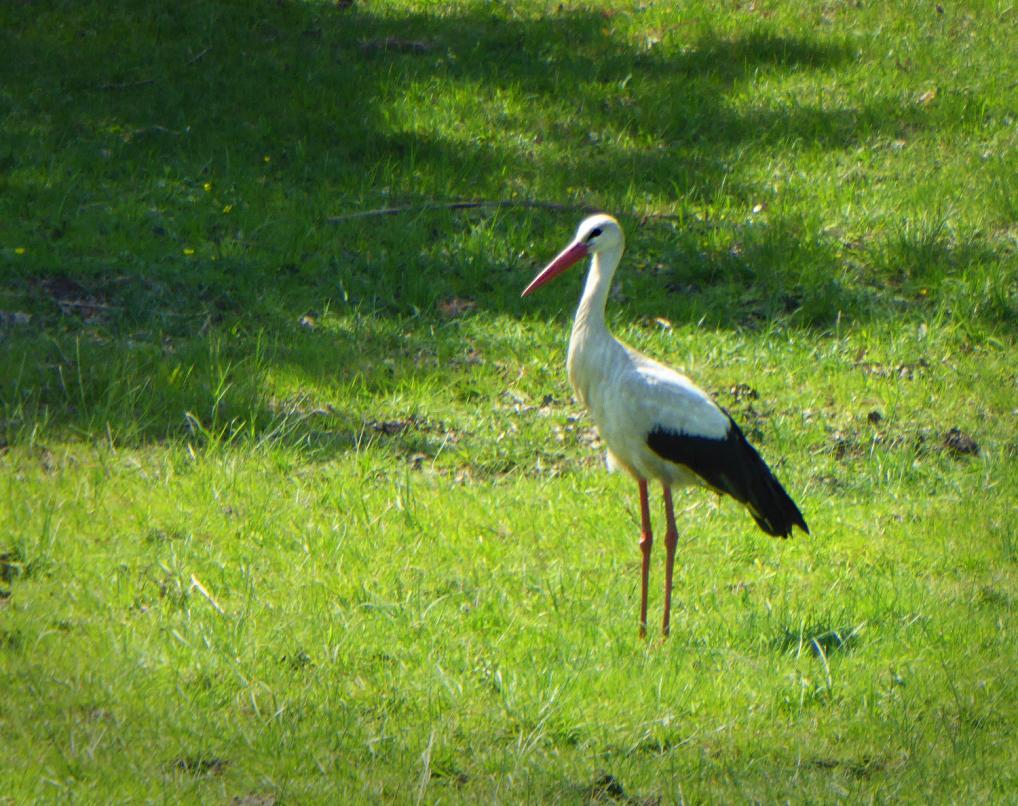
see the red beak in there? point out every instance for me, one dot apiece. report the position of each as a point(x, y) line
point(567, 257)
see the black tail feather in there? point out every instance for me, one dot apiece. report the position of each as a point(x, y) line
point(771, 507)
point(732, 466)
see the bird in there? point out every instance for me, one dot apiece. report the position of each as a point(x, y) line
point(657, 425)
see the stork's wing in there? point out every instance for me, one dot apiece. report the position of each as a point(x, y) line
point(670, 401)
point(687, 428)
point(734, 467)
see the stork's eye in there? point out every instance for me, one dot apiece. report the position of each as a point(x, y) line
point(594, 233)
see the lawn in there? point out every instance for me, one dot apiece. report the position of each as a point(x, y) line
point(296, 504)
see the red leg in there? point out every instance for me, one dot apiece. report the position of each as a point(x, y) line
point(671, 539)
point(646, 541)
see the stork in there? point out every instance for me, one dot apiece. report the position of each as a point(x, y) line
point(656, 423)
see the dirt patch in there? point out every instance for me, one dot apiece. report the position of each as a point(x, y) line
point(830, 482)
point(419, 440)
point(298, 661)
point(455, 307)
point(414, 424)
point(845, 445)
point(606, 788)
point(396, 427)
point(10, 566)
point(861, 768)
point(62, 288)
point(12, 319)
point(959, 443)
point(201, 765)
point(743, 391)
point(418, 460)
point(854, 442)
point(517, 404)
point(740, 406)
point(71, 297)
point(907, 371)
point(254, 799)
point(576, 432)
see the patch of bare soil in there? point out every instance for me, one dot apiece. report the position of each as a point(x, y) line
point(852, 442)
point(960, 444)
point(72, 298)
point(201, 765)
point(606, 788)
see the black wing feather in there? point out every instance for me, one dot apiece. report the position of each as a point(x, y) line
point(731, 465)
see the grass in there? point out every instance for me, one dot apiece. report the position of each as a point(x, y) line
point(300, 509)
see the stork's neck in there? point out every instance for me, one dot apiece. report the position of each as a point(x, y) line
point(591, 346)
point(589, 322)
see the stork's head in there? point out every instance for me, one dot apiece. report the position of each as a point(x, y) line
point(598, 233)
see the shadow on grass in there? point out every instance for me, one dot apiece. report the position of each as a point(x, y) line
point(135, 128)
point(818, 638)
point(170, 168)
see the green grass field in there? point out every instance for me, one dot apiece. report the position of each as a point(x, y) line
point(296, 506)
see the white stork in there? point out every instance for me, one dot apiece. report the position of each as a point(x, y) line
point(657, 423)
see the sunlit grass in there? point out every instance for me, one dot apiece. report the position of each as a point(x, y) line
point(297, 507)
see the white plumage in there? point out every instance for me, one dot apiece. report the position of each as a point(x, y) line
point(657, 424)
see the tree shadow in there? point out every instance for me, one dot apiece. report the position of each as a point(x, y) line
point(171, 169)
